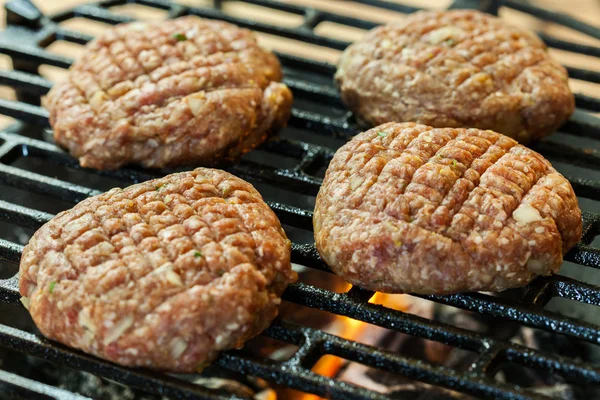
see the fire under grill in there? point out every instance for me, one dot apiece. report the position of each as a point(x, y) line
point(288, 172)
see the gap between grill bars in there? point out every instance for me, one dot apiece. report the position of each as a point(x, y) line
point(38, 31)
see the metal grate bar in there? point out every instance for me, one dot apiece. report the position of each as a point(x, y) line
point(487, 359)
point(395, 363)
point(569, 46)
point(587, 102)
point(29, 82)
point(567, 153)
point(390, 6)
point(16, 387)
point(9, 288)
point(165, 385)
point(34, 54)
point(559, 18)
point(24, 111)
point(583, 74)
point(583, 124)
point(496, 307)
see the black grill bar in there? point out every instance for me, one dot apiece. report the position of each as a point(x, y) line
point(567, 153)
point(561, 44)
point(28, 82)
point(390, 6)
point(374, 357)
point(551, 16)
point(16, 387)
point(24, 111)
point(309, 13)
point(583, 124)
point(9, 288)
point(584, 74)
point(587, 102)
point(158, 383)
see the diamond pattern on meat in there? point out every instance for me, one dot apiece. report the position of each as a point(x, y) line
point(407, 208)
point(163, 274)
point(458, 68)
point(168, 93)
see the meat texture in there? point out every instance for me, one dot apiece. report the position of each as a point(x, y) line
point(407, 208)
point(163, 274)
point(168, 93)
point(456, 69)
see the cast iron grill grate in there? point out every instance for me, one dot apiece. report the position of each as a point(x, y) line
point(317, 113)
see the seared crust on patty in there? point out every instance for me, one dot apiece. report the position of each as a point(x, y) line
point(407, 208)
point(169, 93)
point(163, 274)
point(456, 69)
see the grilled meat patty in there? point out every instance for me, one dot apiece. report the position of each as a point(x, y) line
point(163, 274)
point(456, 69)
point(183, 91)
point(407, 208)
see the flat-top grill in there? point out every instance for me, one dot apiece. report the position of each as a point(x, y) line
point(288, 172)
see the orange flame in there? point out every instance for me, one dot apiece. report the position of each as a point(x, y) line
point(351, 329)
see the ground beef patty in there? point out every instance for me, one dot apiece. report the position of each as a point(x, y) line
point(456, 69)
point(410, 208)
point(168, 93)
point(163, 274)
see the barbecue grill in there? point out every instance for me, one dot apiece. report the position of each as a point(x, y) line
point(288, 172)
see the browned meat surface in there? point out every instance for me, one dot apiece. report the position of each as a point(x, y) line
point(163, 274)
point(456, 69)
point(168, 93)
point(410, 208)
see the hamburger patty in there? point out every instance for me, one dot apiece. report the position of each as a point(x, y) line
point(407, 208)
point(168, 93)
point(456, 69)
point(163, 274)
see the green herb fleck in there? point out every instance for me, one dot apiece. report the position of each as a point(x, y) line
point(180, 37)
point(197, 254)
point(221, 272)
point(159, 187)
point(51, 288)
point(454, 163)
point(391, 226)
point(398, 243)
point(450, 42)
point(201, 366)
point(382, 134)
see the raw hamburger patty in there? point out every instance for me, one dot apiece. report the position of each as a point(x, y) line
point(163, 274)
point(456, 69)
point(407, 208)
point(168, 93)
